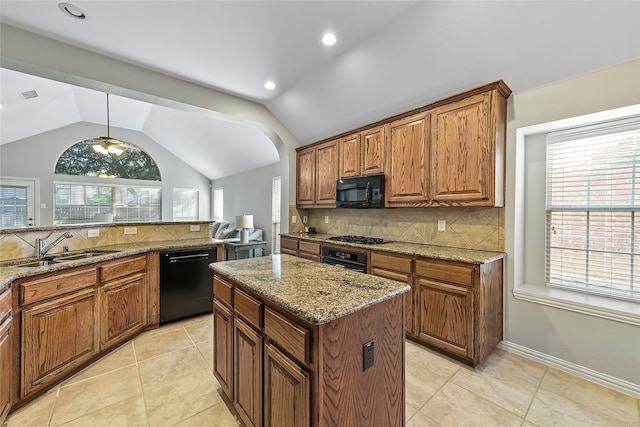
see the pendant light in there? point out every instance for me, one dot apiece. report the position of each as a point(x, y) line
point(105, 144)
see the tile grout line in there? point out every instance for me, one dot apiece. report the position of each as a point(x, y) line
point(524, 419)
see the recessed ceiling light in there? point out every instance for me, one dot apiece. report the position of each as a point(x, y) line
point(71, 10)
point(269, 85)
point(329, 39)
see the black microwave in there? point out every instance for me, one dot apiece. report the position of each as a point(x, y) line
point(360, 192)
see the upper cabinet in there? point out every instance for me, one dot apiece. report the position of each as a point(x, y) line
point(363, 153)
point(316, 175)
point(448, 153)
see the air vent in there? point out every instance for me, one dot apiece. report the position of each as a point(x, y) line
point(30, 94)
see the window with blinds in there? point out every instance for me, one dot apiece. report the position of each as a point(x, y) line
point(80, 203)
point(275, 214)
point(186, 205)
point(592, 204)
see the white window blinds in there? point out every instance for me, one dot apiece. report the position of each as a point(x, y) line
point(592, 204)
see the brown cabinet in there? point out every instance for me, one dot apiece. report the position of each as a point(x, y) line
point(316, 175)
point(57, 337)
point(287, 393)
point(247, 374)
point(408, 160)
point(123, 309)
point(310, 250)
point(363, 153)
point(289, 246)
point(223, 347)
point(400, 268)
point(6, 354)
point(467, 158)
point(458, 306)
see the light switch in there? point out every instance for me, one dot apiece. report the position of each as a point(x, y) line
point(326, 219)
point(294, 219)
point(130, 230)
point(442, 225)
point(93, 232)
point(195, 227)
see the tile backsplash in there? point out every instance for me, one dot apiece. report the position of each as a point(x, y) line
point(21, 244)
point(465, 227)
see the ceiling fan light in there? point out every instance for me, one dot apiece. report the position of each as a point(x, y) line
point(114, 150)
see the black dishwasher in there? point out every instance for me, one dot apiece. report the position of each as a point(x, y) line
point(186, 283)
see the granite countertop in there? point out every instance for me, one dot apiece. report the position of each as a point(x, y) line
point(315, 292)
point(470, 256)
point(9, 273)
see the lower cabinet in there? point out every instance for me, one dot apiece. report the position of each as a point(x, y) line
point(57, 337)
point(223, 347)
point(397, 267)
point(289, 246)
point(6, 354)
point(310, 250)
point(286, 391)
point(123, 309)
point(248, 373)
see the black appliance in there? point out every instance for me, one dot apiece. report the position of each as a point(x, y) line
point(353, 260)
point(359, 239)
point(186, 283)
point(360, 192)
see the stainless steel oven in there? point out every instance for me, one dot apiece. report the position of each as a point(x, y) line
point(351, 259)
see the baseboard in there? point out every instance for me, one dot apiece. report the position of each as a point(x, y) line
point(571, 368)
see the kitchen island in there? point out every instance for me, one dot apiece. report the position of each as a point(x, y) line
point(298, 343)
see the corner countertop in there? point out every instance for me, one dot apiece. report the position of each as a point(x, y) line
point(10, 273)
point(315, 292)
point(470, 256)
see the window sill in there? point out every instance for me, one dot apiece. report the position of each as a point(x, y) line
point(593, 305)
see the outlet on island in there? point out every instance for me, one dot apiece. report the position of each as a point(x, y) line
point(367, 355)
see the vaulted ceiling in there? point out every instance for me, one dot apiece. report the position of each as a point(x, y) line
point(390, 56)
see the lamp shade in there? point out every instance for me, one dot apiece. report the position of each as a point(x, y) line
point(244, 221)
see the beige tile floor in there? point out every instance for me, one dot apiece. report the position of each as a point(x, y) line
point(164, 378)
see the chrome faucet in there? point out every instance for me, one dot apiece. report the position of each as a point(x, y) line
point(41, 249)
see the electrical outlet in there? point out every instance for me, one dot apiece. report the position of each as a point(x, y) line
point(326, 219)
point(294, 219)
point(367, 355)
point(195, 227)
point(304, 219)
point(130, 230)
point(442, 225)
point(93, 232)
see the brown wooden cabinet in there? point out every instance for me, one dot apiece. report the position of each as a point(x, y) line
point(247, 375)
point(223, 347)
point(6, 354)
point(363, 153)
point(289, 245)
point(57, 336)
point(458, 306)
point(400, 268)
point(316, 175)
point(287, 393)
point(467, 159)
point(407, 161)
point(123, 309)
point(310, 250)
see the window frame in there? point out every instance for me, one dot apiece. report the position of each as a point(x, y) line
point(526, 287)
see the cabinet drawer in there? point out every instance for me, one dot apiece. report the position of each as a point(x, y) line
point(400, 277)
point(122, 267)
point(293, 338)
point(390, 262)
point(222, 291)
point(247, 307)
point(309, 248)
point(446, 271)
point(290, 245)
point(60, 283)
point(5, 304)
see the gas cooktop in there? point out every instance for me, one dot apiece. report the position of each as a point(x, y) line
point(358, 239)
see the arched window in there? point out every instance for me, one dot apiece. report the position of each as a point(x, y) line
point(92, 157)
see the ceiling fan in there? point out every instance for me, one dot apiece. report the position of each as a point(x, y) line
point(107, 145)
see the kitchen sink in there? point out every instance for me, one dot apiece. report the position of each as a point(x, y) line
point(82, 255)
point(39, 263)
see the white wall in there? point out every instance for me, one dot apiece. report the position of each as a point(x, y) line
point(250, 193)
point(36, 157)
point(592, 345)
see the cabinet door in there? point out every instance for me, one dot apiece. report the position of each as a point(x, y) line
point(462, 154)
point(306, 176)
point(350, 156)
point(123, 309)
point(408, 297)
point(287, 393)
point(445, 316)
point(289, 246)
point(223, 347)
point(247, 373)
point(5, 367)
point(326, 173)
point(373, 145)
point(57, 337)
point(408, 157)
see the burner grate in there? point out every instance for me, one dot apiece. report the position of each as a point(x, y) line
point(358, 239)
